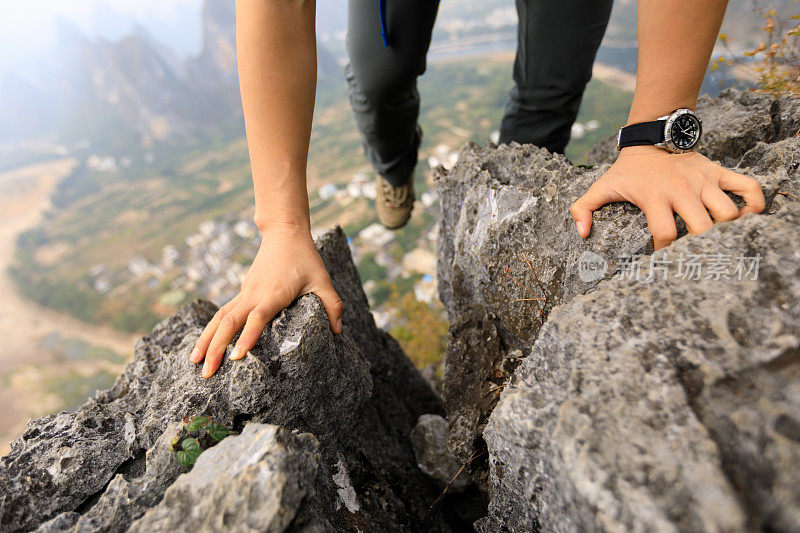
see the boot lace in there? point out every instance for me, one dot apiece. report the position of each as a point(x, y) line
point(394, 196)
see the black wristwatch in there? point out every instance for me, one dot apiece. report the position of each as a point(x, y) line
point(678, 132)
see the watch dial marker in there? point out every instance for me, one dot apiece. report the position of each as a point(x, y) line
point(685, 131)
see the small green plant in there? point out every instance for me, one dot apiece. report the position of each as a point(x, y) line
point(189, 453)
point(198, 433)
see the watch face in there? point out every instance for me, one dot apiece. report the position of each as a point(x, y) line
point(685, 131)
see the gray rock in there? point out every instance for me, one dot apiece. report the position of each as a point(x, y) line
point(662, 404)
point(477, 366)
point(429, 441)
point(255, 481)
point(507, 239)
point(128, 494)
point(357, 393)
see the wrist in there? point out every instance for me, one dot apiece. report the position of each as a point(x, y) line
point(277, 225)
point(281, 197)
point(678, 132)
point(643, 150)
point(645, 109)
point(286, 210)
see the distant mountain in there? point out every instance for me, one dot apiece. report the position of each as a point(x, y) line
point(217, 59)
point(129, 87)
point(178, 27)
point(132, 91)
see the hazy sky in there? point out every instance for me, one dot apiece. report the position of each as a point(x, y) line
point(27, 28)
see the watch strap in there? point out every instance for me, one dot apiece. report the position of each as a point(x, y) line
point(643, 133)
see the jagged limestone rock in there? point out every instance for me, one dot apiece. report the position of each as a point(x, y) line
point(255, 481)
point(357, 393)
point(281, 383)
point(665, 406)
point(129, 493)
point(507, 239)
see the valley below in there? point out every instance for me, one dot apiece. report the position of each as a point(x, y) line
point(48, 360)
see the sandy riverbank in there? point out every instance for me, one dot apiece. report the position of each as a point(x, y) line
point(24, 365)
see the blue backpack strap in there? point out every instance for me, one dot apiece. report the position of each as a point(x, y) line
point(384, 31)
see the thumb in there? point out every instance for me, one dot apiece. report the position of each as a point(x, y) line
point(581, 211)
point(333, 305)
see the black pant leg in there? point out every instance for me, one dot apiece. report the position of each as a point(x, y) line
point(382, 81)
point(556, 48)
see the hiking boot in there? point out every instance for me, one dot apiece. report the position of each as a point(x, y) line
point(394, 204)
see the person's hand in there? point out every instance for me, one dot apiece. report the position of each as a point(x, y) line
point(286, 266)
point(660, 183)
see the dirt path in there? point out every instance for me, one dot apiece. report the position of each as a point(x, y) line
point(24, 194)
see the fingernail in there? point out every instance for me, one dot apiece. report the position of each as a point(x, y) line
point(236, 354)
point(193, 355)
point(338, 326)
point(581, 227)
point(206, 373)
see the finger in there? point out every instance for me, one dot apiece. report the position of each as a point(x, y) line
point(596, 197)
point(201, 346)
point(747, 188)
point(333, 305)
point(229, 326)
point(719, 205)
point(661, 223)
point(257, 320)
point(693, 213)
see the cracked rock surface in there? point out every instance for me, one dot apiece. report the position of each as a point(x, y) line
point(659, 405)
point(106, 465)
point(668, 403)
point(255, 481)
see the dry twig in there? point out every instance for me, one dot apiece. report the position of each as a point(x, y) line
point(439, 498)
point(544, 299)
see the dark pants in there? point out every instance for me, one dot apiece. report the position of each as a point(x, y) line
point(557, 43)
